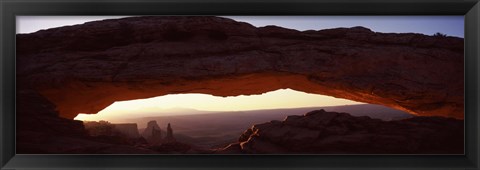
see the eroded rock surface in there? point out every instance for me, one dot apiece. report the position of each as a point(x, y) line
point(127, 129)
point(84, 68)
point(169, 138)
point(39, 130)
point(153, 133)
point(320, 132)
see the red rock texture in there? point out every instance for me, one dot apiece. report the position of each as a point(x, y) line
point(39, 130)
point(84, 68)
point(129, 130)
point(153, 133)
point(320, 132)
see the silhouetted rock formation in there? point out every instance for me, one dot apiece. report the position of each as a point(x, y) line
point(337, 133)
point(38, 123)
point(140, 142)
point(40, 130)
point(152, 133)
point(169, 138)
point(100, 128)
point(129, 130)
point(169, 145)
point(84, 68)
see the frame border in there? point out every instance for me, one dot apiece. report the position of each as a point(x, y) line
point(10, 8)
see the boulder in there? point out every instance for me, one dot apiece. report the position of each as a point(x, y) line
point(321, 132)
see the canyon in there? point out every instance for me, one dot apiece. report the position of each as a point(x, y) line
point(64, 71)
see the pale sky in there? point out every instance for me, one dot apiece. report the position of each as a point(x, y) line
point(284, 98)
point(172, 104)
point(429, 25)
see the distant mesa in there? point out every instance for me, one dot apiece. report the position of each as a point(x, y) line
point(129, 130)
point(167, 145)
point(105, 128)
point(153, 134)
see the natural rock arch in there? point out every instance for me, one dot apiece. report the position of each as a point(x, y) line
point(85, 68)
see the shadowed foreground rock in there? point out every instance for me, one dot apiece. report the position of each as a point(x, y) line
point(65, 71)
point(85, 68)
point(320, 132)
point(40, 130)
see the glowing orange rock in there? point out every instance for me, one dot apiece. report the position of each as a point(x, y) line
point(85, 68)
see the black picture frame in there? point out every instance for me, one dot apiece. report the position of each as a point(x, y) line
point(10, 8)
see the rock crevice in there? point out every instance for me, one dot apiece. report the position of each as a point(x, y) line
point(321, 132)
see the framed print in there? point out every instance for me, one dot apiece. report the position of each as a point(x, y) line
point(240, 85)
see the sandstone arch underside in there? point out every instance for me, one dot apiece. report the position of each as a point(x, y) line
point(85, 68)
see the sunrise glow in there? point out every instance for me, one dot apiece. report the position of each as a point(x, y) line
point(180, 104)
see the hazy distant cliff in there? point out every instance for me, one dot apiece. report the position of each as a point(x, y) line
point(128, 129)
point(153, 133)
